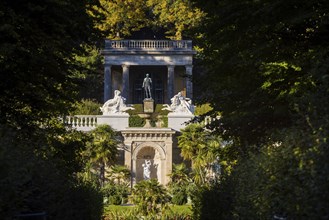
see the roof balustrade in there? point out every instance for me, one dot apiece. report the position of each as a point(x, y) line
point(147, 45)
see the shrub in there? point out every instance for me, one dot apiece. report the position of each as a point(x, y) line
point(116, 199)
point(87, 107)
point(115, 194)
point(136, 121)
point(179, 197)
point(150, 197)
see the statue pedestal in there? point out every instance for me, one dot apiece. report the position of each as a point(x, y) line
point(148, 105)
point(178, 121)
point(116, 121)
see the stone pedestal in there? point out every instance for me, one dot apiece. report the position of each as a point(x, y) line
point(148, 106)
point(116, 121)
point(178, 121)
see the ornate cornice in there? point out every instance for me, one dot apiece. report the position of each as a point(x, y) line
point(156, 134)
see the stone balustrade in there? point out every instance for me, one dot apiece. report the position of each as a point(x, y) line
point(81, 122)
point(89, 122)
point(148, 44)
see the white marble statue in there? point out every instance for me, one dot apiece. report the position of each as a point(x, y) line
point(116, 105)
point(180, 105)
point(147, 170)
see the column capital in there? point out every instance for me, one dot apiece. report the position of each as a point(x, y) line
point(171, 66)
point(107, 65)
point(125, 66)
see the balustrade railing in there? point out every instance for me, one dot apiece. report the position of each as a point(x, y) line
point(81, 122)
point(89, 122)
point(149, 44)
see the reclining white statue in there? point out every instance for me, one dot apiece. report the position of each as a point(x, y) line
point(180, 105)
point(116, 105)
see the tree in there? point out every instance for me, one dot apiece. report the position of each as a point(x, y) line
point(102, 150)
point(179, 184)
point(179, 174)
point(200, 147)
point(119, 173)
point(38, 170)
point(38, 43)
point(39, 157)
point(266, 72)
point(147, 195)
point(265, 64)
point(121, 18)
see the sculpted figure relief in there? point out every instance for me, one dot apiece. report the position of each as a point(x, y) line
point(147, 169)
point(116, 105)
point(147, 84)
point(180, 104)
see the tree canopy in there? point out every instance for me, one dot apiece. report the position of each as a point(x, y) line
point(38, 44)
point(122, 18)
point(39, 156)
point(266, 64)
point(266, 72)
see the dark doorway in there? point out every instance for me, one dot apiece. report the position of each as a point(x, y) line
point(158, 75)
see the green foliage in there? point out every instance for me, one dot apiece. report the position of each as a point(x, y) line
point(158, 117)
point(87, 107)
point(129, 212)
point(121, 18)
point(149, 197)
point(268, 77)
point(120, 174)
point(115, 194)
point(213, 203)
point(37, 171)
point(287, 180)
point(138, 108)
point(177, 17)
point(164, 120)
point(117, 189)
point(101, 151)
point(40, 159)
point(201, 147)
point(38, 41)
point(292, 186)
point(179, 196)
point(90, 74)
point(178, 185)
point(202, 109)
point(275, 63)
point(136, 121)
point(159, 111)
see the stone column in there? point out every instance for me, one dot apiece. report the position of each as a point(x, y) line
point(170, 82)
point(189, 86)
point(125, 81)
point(107, 82)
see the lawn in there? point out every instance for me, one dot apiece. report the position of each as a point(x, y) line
point(122, 211)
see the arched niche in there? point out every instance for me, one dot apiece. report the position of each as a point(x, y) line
point(149, 151)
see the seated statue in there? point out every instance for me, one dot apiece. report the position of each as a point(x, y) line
point(180, 104)
point(116, 105)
